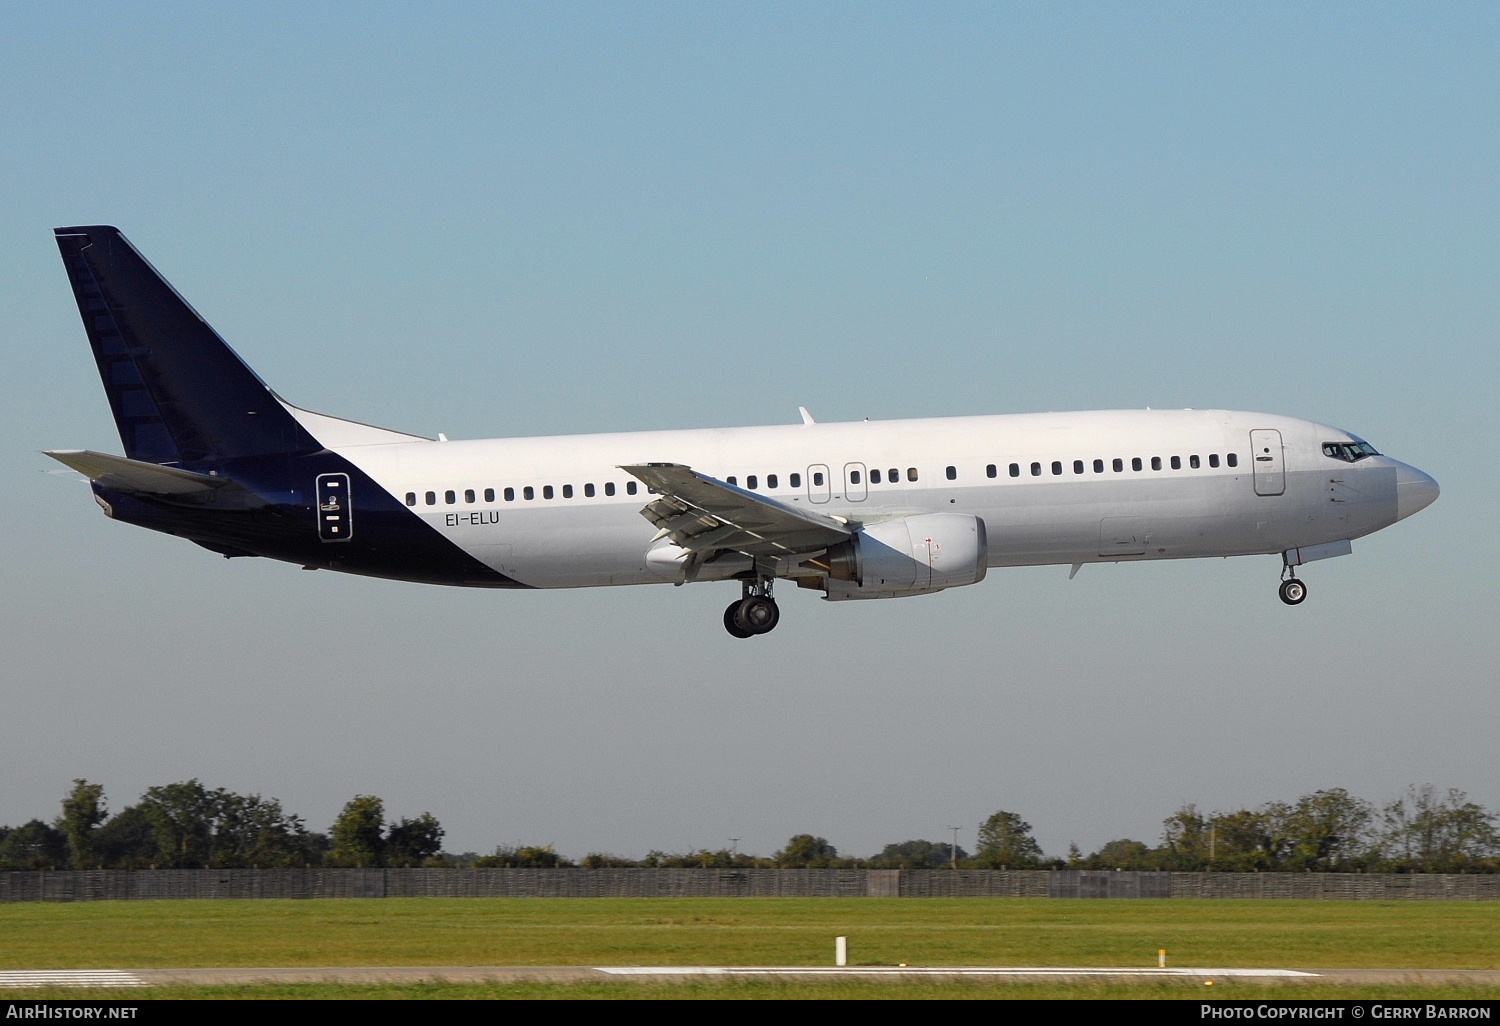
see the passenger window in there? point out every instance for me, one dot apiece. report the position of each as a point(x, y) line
point(1056, 468)
point(547, 491)
point(468, 495)
point(1176, 462)
point(1015, 470)
point(853, 477)
point(411, 498)
point(990, 471)
point(952, 473)
point(510, 495)
point(1098, 466)
point(609, 488)
point(1135, 464)
point(1213, 459)
point(732, 479)
point(894, 476)
point(450, 498)
point(770, 480)
point(489, 495)
point(1156, 463)
point(1233, 459)
point(911, 473)
point(1036, 470)
point(567, 491)
point(818, 478)
point(1119, 465)
point(432, 498)
point(796, 480)
point(588, 491)
point(875, 476)
point(1193, 462)
point(753, 483)
point(527, 493)
point(629, 487)
point(1078, 466)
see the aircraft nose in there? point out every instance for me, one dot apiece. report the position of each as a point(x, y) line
point(1415, 491)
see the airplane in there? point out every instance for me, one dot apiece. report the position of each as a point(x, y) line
point(861, 510)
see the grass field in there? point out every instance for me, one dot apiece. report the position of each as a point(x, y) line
point(828, 990)
point(748, 931)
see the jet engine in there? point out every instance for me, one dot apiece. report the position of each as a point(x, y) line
point(910, 556)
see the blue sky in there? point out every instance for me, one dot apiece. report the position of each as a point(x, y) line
point(494, 219)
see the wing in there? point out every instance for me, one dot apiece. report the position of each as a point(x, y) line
point(703, 514)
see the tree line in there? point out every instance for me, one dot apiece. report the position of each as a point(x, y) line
point(187, 826)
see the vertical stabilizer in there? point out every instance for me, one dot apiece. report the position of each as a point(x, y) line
point(178, 392)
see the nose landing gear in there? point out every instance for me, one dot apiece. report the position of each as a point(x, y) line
point(755, 613)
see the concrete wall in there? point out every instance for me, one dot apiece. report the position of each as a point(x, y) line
point(132, 885)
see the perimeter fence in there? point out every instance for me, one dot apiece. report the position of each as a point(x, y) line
point(155, 884)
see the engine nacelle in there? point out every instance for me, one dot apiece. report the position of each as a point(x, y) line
point(910, 556)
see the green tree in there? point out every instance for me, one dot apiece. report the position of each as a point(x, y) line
point(1123, 854)
point(1005, 841)
point(83, 811)
point(182, 816)
point(804, 851)
point(251, 831)
point(1327, 831)
point(126, 840)
point(357, 833)
point(411, 842)
point(1428, 832)
point(917, 855)
point(34, 845)
point(1185, 840)
point(523, 857)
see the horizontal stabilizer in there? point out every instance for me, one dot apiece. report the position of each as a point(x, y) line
point(134, 476)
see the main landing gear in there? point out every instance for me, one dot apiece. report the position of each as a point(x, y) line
point(755, 613)
point(1292, 590)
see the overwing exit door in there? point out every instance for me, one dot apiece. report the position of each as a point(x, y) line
point(1269, 462)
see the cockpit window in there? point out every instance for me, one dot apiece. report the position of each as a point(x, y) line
point(1349, 452)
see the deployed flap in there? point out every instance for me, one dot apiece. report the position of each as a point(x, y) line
point(134, 476)
point(701, 513)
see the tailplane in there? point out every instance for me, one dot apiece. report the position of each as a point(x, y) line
point(179, 394)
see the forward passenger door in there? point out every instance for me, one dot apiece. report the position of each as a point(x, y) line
point(1269, 461)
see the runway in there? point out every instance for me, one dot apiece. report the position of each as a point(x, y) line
point(134, 978)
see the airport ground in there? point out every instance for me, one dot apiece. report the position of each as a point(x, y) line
point(1420, 949)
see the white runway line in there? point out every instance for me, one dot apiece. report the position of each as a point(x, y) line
point(17, 979)
point(703, 970)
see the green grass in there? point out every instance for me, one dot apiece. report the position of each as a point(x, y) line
point(737, 989)
point(749, 931)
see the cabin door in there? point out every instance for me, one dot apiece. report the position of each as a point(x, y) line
point(1269, 461)
point(819, 487)
point(855, 486)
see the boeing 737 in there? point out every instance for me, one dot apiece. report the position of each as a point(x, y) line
point(864, 510)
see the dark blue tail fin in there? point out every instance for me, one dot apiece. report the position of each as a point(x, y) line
point(179, 393)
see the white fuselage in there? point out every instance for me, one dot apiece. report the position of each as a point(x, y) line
point(1209, 483)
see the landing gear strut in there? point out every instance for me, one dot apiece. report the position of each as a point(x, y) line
point(755, 613)
point(1292, 590)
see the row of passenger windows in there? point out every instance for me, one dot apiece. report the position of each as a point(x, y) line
point(1117, 465)
point(450, 497)
point(752, 481)
point(794, 480)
